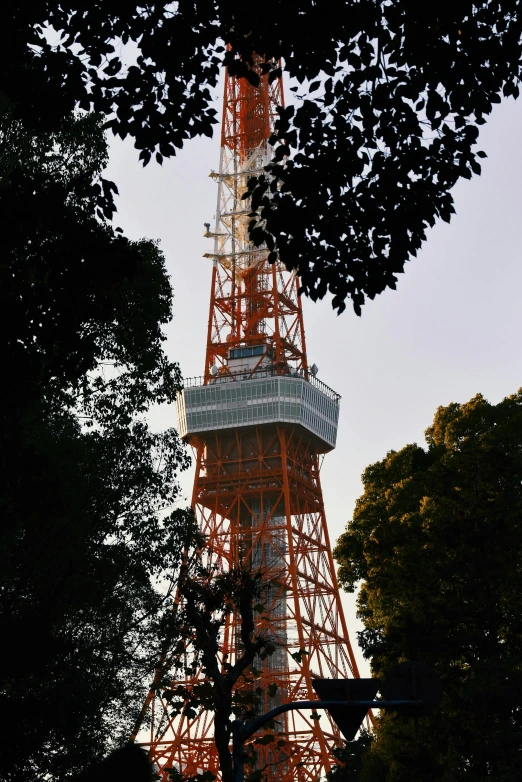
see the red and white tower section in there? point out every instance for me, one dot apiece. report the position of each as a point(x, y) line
point(260, 422)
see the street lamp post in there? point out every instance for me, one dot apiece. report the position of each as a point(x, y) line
point(414, 688)
point(241, 731)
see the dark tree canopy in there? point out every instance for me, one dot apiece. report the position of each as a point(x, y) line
point(393, 96)
point(436, 539)
point(90, 535)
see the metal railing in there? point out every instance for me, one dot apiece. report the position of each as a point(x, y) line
point(194, 382)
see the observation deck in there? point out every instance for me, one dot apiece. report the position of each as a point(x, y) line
point(260, 398)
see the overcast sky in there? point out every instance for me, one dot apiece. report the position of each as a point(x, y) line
point(451, 330)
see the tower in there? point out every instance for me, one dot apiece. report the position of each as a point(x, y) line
point(260, 422)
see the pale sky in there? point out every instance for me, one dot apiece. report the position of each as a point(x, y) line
point(451, 330)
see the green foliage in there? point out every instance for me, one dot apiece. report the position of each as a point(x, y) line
point(209, 599)
point(298, 656)
point(90, 539)
point(129, 763)
point(350, 758)
point(393, 95)
point(176, 776)
point(436, 539)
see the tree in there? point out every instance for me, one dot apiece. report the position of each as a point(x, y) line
point(126, 764)
point(393, 94)
point(91, 538)
point(436, 540)
point(228, 688)
point(349, 758)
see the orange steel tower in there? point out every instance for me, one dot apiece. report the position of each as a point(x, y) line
point(260, 421)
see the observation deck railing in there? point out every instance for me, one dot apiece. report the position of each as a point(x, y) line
point(235, 377)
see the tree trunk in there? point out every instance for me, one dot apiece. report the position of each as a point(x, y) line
point(222, 738)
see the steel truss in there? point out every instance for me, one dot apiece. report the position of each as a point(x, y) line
point(257, 491)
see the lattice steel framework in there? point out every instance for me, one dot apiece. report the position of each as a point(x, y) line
point(257, 490)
